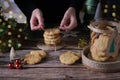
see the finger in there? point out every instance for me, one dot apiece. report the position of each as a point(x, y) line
point(35, 28)
point(73, 24)
point(40, 19)
point(41, 27)
point(64, 23)
point(62, 27)
point(33, 23)
point(40, 23)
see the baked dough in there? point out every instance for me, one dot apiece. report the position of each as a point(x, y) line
point(100, 43)
point(69, 57)
point(34, 57)
point(52, 36)
point(41, 53)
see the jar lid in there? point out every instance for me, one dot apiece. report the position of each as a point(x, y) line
point(102, 26)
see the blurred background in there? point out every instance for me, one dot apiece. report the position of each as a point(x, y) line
point(10, 10)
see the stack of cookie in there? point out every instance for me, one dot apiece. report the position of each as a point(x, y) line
point(99, 47)
point(52, 36)
point(103, 43)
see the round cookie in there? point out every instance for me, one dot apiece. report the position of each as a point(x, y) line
point(52, 31)
point(98, 55)
point(102, 40)
point(68, 58)
point(52, 35)
point(52, 42)
point(32, 58)
point(42, 53)
point(77, 54)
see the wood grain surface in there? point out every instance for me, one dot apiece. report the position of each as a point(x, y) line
point(51, 69)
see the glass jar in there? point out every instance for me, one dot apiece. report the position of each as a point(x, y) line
point(104, 40)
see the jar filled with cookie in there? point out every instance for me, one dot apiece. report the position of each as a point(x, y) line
point(104, 44)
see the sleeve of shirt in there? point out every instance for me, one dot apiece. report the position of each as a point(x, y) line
point(77, 4)
point(26, 6)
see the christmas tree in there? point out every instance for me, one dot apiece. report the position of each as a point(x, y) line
point(11, 34)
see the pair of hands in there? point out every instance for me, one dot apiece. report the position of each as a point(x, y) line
point(68, 22)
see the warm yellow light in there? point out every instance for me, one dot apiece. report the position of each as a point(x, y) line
point(105, 10)
point(10, 41)
point(113, 6)
point(9, 33)
point(9, 45)
point(20, 30)
point(0, 41)
point(26, 38)
point(20, 16)
point(25, 21)
point(0, 20)
point(106, 6)
point(9, 26)
point(19, 45)
point(10, 12)
point(1, 30)
point(114, 14)
point(18, 35)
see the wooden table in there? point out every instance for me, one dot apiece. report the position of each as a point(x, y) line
point(51, 69)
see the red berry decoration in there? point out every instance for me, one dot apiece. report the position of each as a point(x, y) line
point(15, 64)
point(18, 61)
point(11, 65)
point(18, 66)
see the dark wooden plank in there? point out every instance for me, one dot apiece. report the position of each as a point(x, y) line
point(52, 59)
point(51, 68)
point(57, 73)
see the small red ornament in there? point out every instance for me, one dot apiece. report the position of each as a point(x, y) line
point(18, 61)
point(11, 65)
point(18, 66)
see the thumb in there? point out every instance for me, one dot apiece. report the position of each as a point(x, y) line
point(40, 21)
